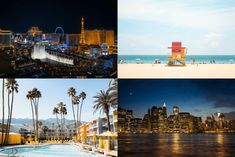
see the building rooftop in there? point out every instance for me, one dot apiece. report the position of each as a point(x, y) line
point(5, 31)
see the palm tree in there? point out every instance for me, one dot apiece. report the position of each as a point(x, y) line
point(3, 104)
point(72, 92)
point(38, 95)
point(76, 101)
point(45, 129)
point(113, 89)
point(30, 96)
point(103, 102)
point(82, 96)
point(34, 95)
point(63, 111)
point(56, 112)
point(12, 87)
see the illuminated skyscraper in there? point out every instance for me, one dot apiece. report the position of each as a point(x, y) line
point(175, 110)
point(82, 36)
point(34, 31)
point(164, 110)
point(99, 36)
point(5, 37)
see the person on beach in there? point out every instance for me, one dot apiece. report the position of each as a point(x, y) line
point(193, 60)
point(122, 61)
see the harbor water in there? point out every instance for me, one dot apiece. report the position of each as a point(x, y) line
point(177, 145)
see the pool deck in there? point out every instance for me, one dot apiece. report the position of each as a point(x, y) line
point(112, 153)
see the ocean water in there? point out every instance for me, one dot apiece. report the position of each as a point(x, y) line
point(176, 145)
point(149, 59)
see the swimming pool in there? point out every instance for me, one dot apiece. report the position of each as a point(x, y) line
point(49, 151)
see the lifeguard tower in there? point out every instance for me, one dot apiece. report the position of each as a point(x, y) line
point(177, 56)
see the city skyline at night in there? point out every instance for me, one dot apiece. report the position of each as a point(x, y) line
point(44, 38)
point(199, 97)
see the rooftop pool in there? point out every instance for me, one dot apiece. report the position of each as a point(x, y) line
point(48, 151)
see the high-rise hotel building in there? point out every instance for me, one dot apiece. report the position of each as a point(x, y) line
point(5, 37)
point(97, 37)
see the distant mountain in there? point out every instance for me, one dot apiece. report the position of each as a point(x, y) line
point(28, 121)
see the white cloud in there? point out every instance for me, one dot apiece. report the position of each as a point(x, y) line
point(139, 44)
point(204, 26)
point(177, 13)
point(213, 39)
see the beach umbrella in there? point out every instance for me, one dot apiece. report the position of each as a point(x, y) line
point(94, 139)
point(108, 134)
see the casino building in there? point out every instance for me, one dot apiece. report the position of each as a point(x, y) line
point(5, 38)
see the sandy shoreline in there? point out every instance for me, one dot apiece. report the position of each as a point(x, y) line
point(164, 71)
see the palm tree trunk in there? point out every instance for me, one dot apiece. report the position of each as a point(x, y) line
point(57, 123)
point(64, 125)
point(33, 116)
point(61, 125)
point(12, 100)
point(3, 111)
point(78, 122)
point(80, 111)
point(75, 122)
point(107, 115)
point(36, 116)
point(57, 120)
point(7, 127)
point(35, 123)
point(37, 119)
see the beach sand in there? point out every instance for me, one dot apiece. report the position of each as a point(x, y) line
point(164, 71)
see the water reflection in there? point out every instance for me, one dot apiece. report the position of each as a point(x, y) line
point(220, 150)
point(220, 138)
point(194, 145)
point(176, 147)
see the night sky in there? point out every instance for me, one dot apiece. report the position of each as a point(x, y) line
point(199, 97)
point(20, 15)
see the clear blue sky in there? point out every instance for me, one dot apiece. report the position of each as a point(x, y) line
point(54, 91)
point(149, 26)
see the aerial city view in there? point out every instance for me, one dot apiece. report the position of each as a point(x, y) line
point(176, 117)
point(176, 39)
point(58, 117)
point(58, 39)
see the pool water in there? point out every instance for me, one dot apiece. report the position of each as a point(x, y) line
point(51, 151)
